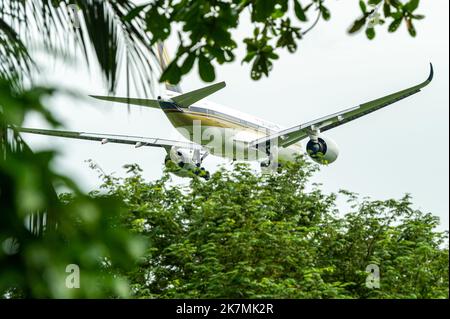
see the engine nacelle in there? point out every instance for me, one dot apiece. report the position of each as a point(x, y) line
point(322, 151)
point(186, 161)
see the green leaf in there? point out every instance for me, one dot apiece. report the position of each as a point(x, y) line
point(172, 74)
point(158, 25)
point(325, 13)
point(386, 10)
point(418, 16)
point(188, 63)
point(205, 69)
point(394, 25)
point(412, 5)
point(397, 15)
point(357, 25)
point(135, 12)
point(299, 11)
point(411, 29)
point(262, 9)
point(363, 7)
point(370, 33)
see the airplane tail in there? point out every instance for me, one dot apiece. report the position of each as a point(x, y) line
point(164, 61)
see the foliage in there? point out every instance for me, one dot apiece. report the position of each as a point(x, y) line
point(112, 28)
point(100, 33)
point(207, 27)
point(245, 235)
point(39, 234)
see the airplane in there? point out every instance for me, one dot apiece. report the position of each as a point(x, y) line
point(218, 130)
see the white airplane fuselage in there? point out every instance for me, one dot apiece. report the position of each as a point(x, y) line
point(225, 131)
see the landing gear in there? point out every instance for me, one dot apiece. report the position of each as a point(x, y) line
point(202, 172)
point(271, 164)
point(186, 163)
point(265, 164)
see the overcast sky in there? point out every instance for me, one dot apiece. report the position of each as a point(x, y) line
point(397, 150)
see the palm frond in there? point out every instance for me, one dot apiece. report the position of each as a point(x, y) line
point(105, 37)
point(14, 56)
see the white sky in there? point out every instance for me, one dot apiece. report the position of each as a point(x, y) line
point(400, 149)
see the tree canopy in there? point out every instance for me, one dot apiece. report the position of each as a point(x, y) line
point(248, 235)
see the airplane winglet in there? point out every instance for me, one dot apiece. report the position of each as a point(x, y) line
point(430, 77)
point(428, 80)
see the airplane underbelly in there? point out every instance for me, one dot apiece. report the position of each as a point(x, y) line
point(223, 138)
point(222, 141)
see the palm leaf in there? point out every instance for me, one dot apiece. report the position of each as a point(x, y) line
point(105, 37)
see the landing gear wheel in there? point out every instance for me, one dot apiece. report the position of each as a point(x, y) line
point(264, 164)
point(203, 173)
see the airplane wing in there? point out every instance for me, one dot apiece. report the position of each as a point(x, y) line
point(110, 138)
point(299, 132)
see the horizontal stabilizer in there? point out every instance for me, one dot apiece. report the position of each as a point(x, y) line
point(187, 99)
point(133, 101)
point(183, 100)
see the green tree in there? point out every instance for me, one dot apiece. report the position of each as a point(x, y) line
point(40, 235)
point(245, 235)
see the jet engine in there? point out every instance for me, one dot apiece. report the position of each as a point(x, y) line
point(186, 161)
point(322, 150)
